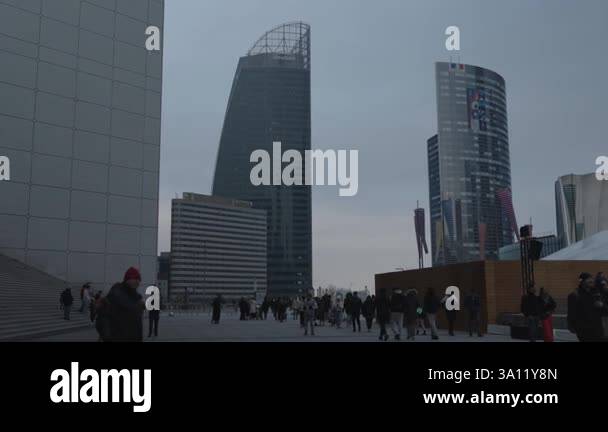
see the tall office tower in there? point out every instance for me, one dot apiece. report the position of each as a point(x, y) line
point(270, 102)
point(472, 215)
point(80, 108)
point(218, 246)
point(581, 203)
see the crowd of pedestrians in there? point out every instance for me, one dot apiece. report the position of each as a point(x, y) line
point(118, 316)
point(395, 312)
point(588, 308)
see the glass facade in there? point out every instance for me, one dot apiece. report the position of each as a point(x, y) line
point(469, 165)
point(80, 109)
point(581, 203)
point(270, 101)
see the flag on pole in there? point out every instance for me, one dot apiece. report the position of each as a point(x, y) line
point(419, 220)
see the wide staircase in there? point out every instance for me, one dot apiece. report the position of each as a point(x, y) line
point(29, 303)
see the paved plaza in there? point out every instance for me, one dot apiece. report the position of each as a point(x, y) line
point(192, 327)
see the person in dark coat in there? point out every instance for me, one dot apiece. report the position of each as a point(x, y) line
point(431, 307)
point(383, 313)
point(243, 306)
point(93, 307)
point(548, 306)
point(265, 307)
point(397, 312)
point(531, 308)
point(124, 308)
point(347, 305)
point(66, 300)
point(355, 308)
point(324, 308)
point(101, 322)
point(450, 314)
point(368, 312)
point(302, 314)
point(273, 308)
point(310, 307)
point(411, 313)
point(217, 309)
point(153, 319)
point(282, 309)
point(586, 307)
point(472, 304)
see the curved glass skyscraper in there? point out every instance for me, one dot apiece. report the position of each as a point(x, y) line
point(469, 166)
point(270, 102)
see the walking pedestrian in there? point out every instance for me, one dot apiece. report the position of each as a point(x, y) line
point(337, 312)
point(124, 309)
point(383, 313)
point(101, 321)
point(325, 308)
point(397, 311)
point(586, 309)
point(347, 305)
point(217, 309)
point(548, 306)
point(472, 304)
point(411, 315)
point(368, 312)
point(302, 312)
point(66, 300)
point(310, 308)
point(253, 309)
point(355, 308)
point(282, 309)
point(243, 306)
point(265, 307)
point(93, 307)
point(450, 314)
point(153, 318)
point(420, 321)
point(85, 297)
point(296, 305)
point(531, 308)
point(431, 307)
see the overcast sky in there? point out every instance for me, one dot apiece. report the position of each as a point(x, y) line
point(373, 90)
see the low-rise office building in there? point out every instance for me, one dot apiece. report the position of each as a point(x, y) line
point(218, 247)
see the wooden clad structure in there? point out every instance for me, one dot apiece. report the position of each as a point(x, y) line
point(497, 282)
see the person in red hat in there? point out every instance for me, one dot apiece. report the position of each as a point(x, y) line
point(124, 310)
